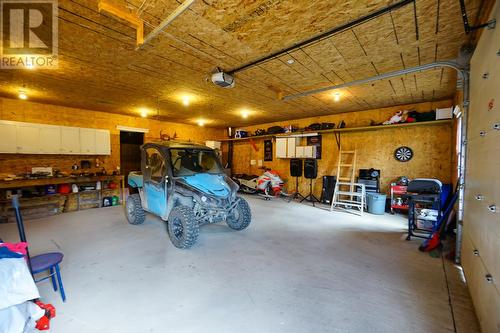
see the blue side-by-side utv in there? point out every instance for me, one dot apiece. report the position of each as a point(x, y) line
point(184, 184)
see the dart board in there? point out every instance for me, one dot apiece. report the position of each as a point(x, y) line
point(403, 154)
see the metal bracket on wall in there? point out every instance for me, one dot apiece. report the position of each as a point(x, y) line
point(337, 139)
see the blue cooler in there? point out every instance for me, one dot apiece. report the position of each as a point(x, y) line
point(376, 203)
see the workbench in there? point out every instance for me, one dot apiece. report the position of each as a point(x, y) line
point(51, 204)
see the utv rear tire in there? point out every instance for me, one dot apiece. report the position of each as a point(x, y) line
point(183, 229)
point(242, 216)
point(135, 213)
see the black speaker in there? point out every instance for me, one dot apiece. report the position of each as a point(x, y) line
point(296, 167)
point(310, 168)
point(328, 188)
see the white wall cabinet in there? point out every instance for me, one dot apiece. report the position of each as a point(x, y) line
point(29, 138)
point(102, 142)
point(299, 152)
point(289, 148)
point(8, 137)
point(70, 140)
point(50, 139)
point(292, 144)
point(87, 141)
point(310, 151)
point(281, 149)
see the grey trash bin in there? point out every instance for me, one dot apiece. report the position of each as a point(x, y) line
point(376, 203)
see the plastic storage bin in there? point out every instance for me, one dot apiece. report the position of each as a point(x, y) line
point(376, 203)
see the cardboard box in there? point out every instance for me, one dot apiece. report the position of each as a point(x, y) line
point(444, 113)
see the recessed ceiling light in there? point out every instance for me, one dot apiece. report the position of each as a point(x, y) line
point(336, 97)
point(186, 100)
point(290, 61)
point(244, 114)
point(201, 122)
point(22, 95)
point(144, 112)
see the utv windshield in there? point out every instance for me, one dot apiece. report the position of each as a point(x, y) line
point(187, 162)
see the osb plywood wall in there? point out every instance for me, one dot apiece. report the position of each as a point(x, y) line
point(375, 149)
point(25, 111)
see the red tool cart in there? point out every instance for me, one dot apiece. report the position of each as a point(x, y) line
point(397, 198)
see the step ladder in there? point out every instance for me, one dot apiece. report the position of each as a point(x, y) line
point(348, 195)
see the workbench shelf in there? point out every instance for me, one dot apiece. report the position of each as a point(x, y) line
point(52, 204)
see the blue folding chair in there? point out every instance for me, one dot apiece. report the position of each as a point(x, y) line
point(42, 262)
point(50, 262)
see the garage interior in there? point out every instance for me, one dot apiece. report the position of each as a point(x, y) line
point(362, 138)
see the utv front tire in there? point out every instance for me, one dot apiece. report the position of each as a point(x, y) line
point(135, 213)
point(241, 216)
point(183, 229)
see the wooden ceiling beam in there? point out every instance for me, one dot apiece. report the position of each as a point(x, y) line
point(133, 19)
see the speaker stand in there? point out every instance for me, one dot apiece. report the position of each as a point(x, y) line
point(296, 194)
point(310, 197)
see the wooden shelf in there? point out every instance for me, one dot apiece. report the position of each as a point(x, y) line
point(349, 129)
point(19, 183)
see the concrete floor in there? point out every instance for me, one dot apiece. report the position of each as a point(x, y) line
point(295, 269)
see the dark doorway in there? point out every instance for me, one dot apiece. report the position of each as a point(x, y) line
point(130, 152)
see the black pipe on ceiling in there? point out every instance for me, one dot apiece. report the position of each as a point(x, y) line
point(324, 35)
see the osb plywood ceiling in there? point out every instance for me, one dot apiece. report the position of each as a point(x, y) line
point(100, 69)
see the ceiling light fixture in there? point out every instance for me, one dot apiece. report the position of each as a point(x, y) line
point(22, 95)
point(290, 61)
point(244, 114)
point(201, 122)
point(144, 112)
point(336, 97)
point(186, 100)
